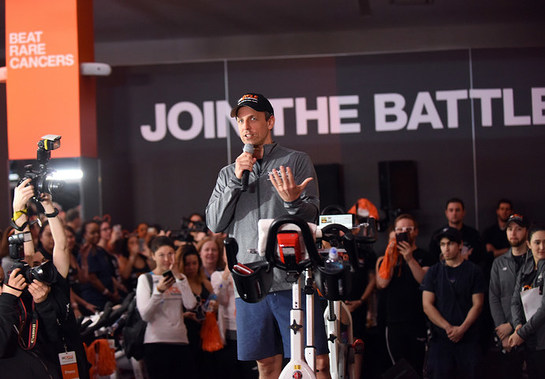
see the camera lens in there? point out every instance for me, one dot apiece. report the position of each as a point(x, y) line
point(45, 272)
point(53, 186)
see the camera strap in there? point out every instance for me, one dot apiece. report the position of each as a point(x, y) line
point(32, 330)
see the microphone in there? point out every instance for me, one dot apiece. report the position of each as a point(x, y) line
point(248, 148)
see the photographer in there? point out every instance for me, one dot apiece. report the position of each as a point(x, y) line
point(46, 304)
point(197, 227)
point(21, 354)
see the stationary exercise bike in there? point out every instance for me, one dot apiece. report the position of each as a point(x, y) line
point(254, 280)
point(292, 260)
point(341, 344)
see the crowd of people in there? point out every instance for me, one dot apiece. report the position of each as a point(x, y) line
point(102, 263)
point(468, 305)
point(460, 309)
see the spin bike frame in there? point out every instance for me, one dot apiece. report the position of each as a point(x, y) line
point(301, 364)
point(339, 350)
point(253, 287)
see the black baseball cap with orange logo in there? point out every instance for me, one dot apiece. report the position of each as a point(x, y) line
point(518, 219)
point(256, 101)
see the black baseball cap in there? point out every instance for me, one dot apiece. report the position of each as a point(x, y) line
point(518, 219)
point(452, 234)
point(256, 101)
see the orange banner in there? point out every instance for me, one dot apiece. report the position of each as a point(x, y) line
point(45, 43)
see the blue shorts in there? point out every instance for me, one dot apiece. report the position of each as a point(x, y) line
point(263, 329)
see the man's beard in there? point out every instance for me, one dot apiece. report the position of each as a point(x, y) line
point(517, 243)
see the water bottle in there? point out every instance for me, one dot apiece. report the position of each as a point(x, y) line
point(333, 263)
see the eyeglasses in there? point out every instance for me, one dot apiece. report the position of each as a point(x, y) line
point(404, 229)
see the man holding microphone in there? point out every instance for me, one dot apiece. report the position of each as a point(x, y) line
point(281, 181)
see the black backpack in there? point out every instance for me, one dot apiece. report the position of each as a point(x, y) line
point(135, 329)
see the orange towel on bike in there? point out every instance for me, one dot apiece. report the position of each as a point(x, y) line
point(101, 357)
point(364, 208)
point(391, 257)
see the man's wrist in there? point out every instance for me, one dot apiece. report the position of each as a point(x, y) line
point(293, 204)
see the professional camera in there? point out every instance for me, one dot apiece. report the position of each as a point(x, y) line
point(184, 233)
point(45, 272)
point(41, 175)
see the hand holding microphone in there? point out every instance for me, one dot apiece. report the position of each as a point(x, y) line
point(244, 163)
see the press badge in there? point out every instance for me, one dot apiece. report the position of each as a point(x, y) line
point(69, 365)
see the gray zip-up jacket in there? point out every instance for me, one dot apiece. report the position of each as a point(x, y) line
point(502, 282)
point(533, 330)
point(235, 212)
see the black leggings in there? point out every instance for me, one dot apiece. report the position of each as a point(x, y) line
point(165, 360)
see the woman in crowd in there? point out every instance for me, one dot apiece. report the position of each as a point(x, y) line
point(105, 240)
point(76, 276)
point(166, 350)
point(530, 328)
point(100, 286)
point(132, 263)
point(211, 252)
point(142, 233)
point(201, 287)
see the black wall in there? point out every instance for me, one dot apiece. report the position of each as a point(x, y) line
point(160, 182)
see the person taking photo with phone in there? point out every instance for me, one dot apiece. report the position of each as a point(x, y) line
point(399, 273)
point(166, 349)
